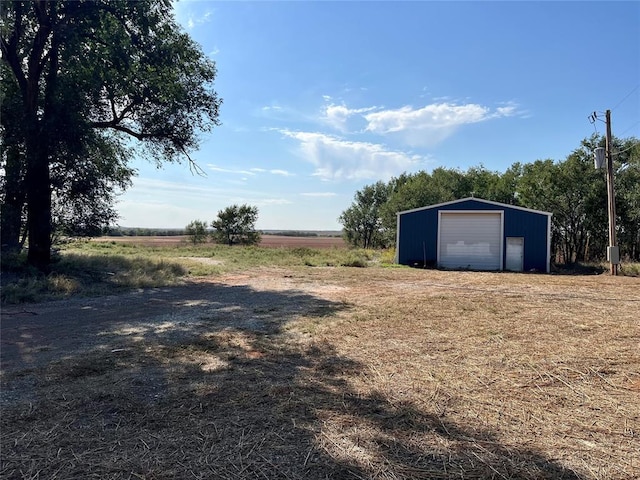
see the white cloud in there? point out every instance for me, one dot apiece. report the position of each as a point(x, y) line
point(277, 112)
point(509, 109)
point(338, 159)
point(275, 171)
point(193, 21)
point(319, 194)
point(215, 168)
point(201, 198)
point(273, 201)
point(283, 173)
point(433, 123)
point(189, 13)
point(338, 115)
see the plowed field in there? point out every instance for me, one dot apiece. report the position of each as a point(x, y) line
point(267, 241)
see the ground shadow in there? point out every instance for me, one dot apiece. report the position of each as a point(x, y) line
point(578, 269)
point(207, 381)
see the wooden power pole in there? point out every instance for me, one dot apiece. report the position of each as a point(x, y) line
point(613, 254)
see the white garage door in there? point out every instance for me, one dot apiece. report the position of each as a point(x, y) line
point(470, 240)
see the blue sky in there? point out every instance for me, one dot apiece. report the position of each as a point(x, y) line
point(322, 98)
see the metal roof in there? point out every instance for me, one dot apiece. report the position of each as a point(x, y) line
point(489, 202)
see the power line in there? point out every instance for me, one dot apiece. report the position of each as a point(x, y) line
point(626, 149)
point(626, 130)
point(626, 96)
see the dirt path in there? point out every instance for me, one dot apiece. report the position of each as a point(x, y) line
point(315, 373)
point(34, 335)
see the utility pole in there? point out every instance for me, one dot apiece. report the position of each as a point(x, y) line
point(613, 254)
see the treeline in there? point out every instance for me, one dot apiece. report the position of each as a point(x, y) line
point(290, 233)
point(572, 189)
point(143, 232)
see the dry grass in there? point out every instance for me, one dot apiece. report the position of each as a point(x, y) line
point(381, 373)
point(534, 365)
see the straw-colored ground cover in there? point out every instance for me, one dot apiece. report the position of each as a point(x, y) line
point(331, 372)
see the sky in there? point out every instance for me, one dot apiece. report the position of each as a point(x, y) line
point(322, 98)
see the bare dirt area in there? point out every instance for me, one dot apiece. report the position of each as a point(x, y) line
point(321, 373)
point(266, 241)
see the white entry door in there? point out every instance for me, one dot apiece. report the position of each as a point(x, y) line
point(515, 254)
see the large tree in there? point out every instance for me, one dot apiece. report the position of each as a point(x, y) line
point(80, 79)
point(626, 164)
point(362, 222)
point(575, 192)
point(236, 224)
point(421, 189)
point(84, 188)
point(627, 161)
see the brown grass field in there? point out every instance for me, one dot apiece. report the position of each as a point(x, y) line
point(266, 241)
point(329, 372)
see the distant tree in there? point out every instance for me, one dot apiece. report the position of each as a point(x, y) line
point(196, 231)
point(236, 225)
point(362, 223)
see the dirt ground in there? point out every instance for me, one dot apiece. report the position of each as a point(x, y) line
point(328, 373)
point(35, 334)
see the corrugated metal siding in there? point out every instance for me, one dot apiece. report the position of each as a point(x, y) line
point(470, 240)
point(533, 227)
point(418, 234)
point(418, 238)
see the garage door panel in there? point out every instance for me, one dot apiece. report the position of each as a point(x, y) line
point(470, 240)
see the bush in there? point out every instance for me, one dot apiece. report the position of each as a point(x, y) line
point(197, 231)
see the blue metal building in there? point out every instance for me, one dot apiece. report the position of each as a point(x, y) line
point(475, 234)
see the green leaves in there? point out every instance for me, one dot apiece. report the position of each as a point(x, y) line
point(236, 225)
point(196, 231)
point(571, 189)
point(80, 80)
point(362, 221)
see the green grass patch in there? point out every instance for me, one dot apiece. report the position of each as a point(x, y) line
point(630, 269)
point(388, 256)
point(83, 273)
point(98, 268)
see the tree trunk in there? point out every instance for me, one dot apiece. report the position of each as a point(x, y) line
point(38, 189)
point(39, 130)
point(13, 203)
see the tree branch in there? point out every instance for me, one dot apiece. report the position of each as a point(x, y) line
point(10, 49)
point(115, 125)
point(193, 166)
point(35, 64)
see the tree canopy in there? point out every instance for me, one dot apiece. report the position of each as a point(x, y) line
point(236, 225)
point(196, 230)
point(572, 189)
point(80, 80)
point(362, 220)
